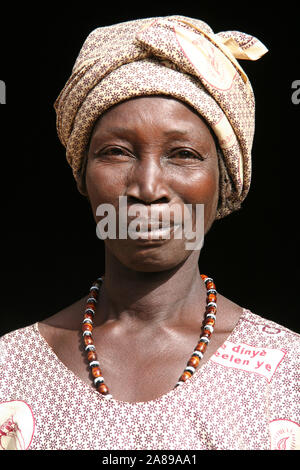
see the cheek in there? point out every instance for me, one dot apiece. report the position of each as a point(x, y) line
point(104, 185)
point(203, 189)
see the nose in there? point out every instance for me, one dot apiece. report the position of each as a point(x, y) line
point(147, 184)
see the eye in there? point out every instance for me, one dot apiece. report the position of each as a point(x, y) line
point(113, 153)
point(186, 154)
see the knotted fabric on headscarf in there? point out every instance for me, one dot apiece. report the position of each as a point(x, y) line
point(175, 56)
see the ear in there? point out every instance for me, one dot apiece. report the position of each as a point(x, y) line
point(81, 187)
point(80, 180)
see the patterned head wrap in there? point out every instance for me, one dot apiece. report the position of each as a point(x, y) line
point(175, 56)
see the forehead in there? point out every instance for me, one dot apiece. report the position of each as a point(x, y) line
point(160, 113)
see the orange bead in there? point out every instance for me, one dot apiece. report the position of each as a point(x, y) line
point(88, 316)
point(92, 356)
point(194, 361)
point(87, 327)
point(210, 285)
point(185, 376)
point(88, 340)
point(211, 309)
point(206, 333)
point(96, 372)
point(201, 347)
point(90, 305)
point(210, 321)
point(212, 298)
point(102, 388)
point(93, 293)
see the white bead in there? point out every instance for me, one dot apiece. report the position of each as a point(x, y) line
point(198, 353)
point(94, 363)
point(211, 315)
point(89, 310)
point(190, 369)
point(211, 291)
point(211, 304)
point(180, 383)
point(204, 339)
point(87, 333)
point(209, 328)
point(98, 379)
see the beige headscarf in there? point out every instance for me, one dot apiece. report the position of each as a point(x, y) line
point(174, 56)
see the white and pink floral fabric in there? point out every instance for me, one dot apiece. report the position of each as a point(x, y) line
point(246, 396)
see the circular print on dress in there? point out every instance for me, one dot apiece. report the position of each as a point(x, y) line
point(17, 425)
point(285, 435)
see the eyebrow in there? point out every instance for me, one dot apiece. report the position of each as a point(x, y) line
point(177, 132)
point(123, 130)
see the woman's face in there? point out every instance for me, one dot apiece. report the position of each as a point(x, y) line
point(160, 154)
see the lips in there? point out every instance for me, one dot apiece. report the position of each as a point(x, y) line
point(157, 215)
point(149, 225)
point(151, 222)
point(153, 230)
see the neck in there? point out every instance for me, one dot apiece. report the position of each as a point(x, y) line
point(173, 296)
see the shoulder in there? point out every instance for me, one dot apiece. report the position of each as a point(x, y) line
point(275, 356)
point(275, 342)
point(267, 332)
point(17, 338)
point(16, 347)
point(17, 354)
point(17, 343)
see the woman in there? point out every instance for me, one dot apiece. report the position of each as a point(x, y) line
point(160, 113)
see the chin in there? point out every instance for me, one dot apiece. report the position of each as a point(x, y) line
point(156, 257)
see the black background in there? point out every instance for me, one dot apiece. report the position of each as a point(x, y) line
point(49, 250)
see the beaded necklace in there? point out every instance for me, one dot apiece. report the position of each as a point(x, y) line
point(87, 328)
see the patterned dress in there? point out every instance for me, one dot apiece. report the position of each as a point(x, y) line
point(246, 396)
